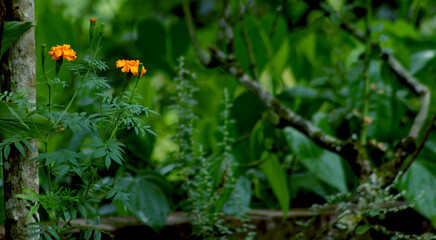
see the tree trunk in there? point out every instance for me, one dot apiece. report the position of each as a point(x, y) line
point(18, 71)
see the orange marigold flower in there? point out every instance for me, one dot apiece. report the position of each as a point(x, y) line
point(92, 20)
point(130, 66)
point(63, 51)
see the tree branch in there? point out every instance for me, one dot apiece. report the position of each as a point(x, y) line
point(225, 31)
point(406, 145)
point(286, 116)
point(421, 145)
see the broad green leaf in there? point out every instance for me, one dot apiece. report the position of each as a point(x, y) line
point(152, 44)
point(246, 110)
point(15, 121)
point(418, 183)
point(307, 182)
point(336, 4)
point(256, 35)
point(420, 59)
point(179, 38)
point(12, 31)
point(276, 176)
point(326, 165)
point(147, 200)
point(239, 200)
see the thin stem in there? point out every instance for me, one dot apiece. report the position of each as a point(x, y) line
point(114, 127)
point(253, 64)
point(421, 144)
point(366, 92)
point(69, 105)
point(276, 17)
point(48, 85)
point(204, 59)
point(72, 99)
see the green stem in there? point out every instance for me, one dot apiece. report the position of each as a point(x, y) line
point(366, 92)
point(69, 105)
point(113, 129)
point(48, 86)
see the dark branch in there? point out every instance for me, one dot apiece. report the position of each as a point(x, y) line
point(286, 116)
point(406, 145)
point(421, 145)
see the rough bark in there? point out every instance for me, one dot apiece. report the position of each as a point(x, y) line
point(18, 71)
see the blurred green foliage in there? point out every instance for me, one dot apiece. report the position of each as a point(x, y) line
point(309, 63)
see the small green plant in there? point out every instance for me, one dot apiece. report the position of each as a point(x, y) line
point(358, 213)
point(209, 180)
point(74, 184)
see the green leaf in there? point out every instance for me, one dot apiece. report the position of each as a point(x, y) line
point(27, 197)
point(47, 236)
point(362, 229)
point(32, 211)
point(179, 38)
point(327, 166)
point(276, 176)
point(147, 200)
point(16, 121)
point(307, 182)
point(152, 43)
point(420, 59)
point(261, 48)
point(6, 151)
point(418, 183)
point(35, 234)
point(53, 233)
point(20, 148)
point(239, 200)
point(88, 234)
point(107, 161)
point(97, 235)
point(246, 110)
point(12, 31)
point(82, 211)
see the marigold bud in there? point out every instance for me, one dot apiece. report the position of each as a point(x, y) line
point(92, 22)
point(43, 51)
point(102, 26)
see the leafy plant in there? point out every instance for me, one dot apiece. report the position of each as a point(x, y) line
point(75, 186)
